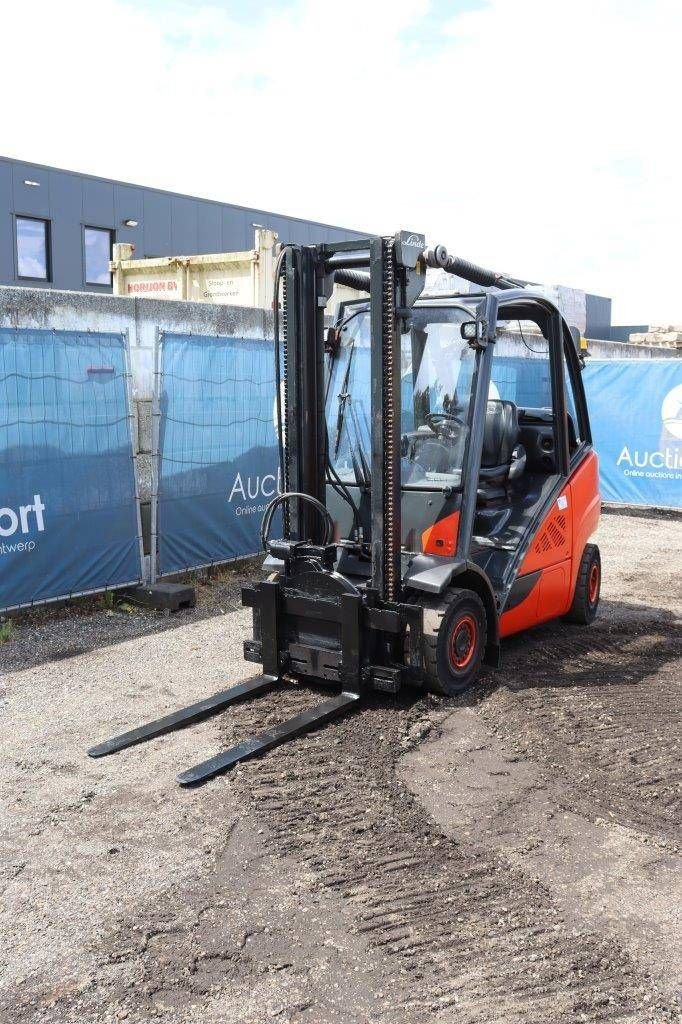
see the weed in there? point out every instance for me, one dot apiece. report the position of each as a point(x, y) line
point(7, 631)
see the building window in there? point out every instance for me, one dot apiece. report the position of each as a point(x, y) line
point(98, 243)
point(33, 248)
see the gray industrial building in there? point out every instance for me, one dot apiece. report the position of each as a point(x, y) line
point(58, 227)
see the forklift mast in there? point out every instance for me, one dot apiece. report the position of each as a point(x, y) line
point(395, 280)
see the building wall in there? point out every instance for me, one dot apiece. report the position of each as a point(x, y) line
point(622, 332)
point(168, 224)
point(598, 315)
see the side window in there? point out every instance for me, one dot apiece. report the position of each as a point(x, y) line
point(574, 428)
point(98, 246)
point(520, 370)
point(33, 248)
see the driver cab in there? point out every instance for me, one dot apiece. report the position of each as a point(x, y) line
point(523, 434)
point(534, 430)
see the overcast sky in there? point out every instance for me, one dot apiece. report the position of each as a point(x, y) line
point(541, 137)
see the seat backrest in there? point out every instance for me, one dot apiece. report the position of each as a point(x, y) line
point(501, 433)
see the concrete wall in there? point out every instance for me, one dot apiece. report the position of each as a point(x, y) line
point(621, 350)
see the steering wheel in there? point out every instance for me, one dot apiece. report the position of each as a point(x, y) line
point(440, 419)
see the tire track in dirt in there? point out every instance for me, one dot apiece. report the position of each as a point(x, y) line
point(602, 707)
point(463, 935)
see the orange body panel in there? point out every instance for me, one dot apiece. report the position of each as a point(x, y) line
point(557, 549)
point(552, 542)
point(586, 504)
point(441, 538)
point(523, 616)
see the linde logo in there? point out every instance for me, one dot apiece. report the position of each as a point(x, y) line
point(21, 521)
point(664, 462)
point(253, 488)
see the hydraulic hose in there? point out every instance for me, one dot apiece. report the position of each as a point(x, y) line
point(286, 496)
point(340, 487)
point(439, 259)
point(352, 279)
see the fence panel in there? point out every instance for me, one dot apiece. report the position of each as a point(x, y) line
point(69, 515)
point(217, 451)
point(636, 418)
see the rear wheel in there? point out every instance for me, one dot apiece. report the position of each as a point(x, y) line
point(455, 631)
point(587, 588)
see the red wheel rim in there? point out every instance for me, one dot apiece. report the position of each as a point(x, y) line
point(462, 642)
point(593, 583)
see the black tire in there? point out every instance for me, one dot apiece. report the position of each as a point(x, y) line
point(455, 636)
point(587, 588)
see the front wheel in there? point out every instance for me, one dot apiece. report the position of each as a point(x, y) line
point(587, 588)
point(455, 631)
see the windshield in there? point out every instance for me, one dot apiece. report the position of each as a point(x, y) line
point(436, 381)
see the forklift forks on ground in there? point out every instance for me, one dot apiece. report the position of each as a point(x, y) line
point(227, 759)
point(465, 515)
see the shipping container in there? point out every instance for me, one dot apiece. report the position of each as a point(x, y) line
point(227, 278)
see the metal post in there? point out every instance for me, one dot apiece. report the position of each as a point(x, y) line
point(312, 411)
point(292, 387)
point(305, 423)
point(474, 449)
point(134, 434)
point(385, 370)
point(156, 433)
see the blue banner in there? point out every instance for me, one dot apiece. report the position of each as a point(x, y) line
point(217, 449)
point(636, 416)
point(68, 515)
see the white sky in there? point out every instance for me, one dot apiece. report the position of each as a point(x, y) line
point(541, 137)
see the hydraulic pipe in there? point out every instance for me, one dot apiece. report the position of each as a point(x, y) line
point(439, 259)
point(351, 261)
point(352, 279)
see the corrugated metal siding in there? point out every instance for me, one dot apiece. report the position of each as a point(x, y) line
point(168, 224)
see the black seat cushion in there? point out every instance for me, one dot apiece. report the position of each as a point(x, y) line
point(500, 437)
point(503, 457)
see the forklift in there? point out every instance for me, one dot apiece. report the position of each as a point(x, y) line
point(438, 492)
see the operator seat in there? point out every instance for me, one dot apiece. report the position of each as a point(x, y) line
point(503, 458)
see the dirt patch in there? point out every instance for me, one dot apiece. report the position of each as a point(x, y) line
point(313, 885)
point(601, 874)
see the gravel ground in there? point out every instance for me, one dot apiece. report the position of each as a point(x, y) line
point(507, 857)
point(48, 633)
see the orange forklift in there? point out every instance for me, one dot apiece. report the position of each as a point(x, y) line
point(439, 490)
